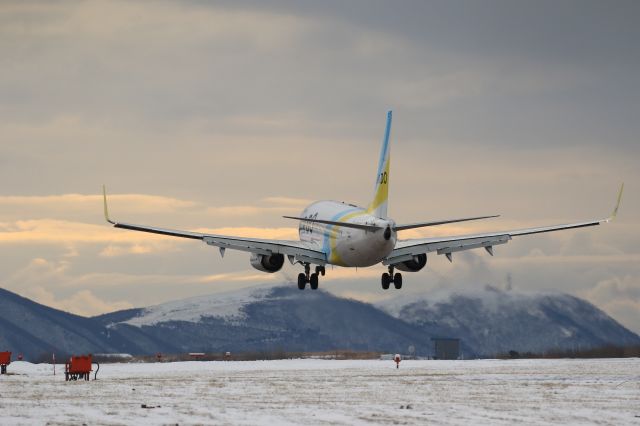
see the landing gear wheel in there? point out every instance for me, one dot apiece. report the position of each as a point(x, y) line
point(397, 280)
point(386, 280)
point(302, 281)
point(313, 281)
point(320, 270)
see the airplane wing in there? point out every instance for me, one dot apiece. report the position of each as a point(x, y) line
point(406, 250)
point(294, 250)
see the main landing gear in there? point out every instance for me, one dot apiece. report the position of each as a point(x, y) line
point(307, 277)
point(388, 278)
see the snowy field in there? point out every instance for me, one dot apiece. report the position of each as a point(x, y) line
point(329, 392)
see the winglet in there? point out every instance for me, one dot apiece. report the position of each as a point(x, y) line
point(615, 210)
point(106, 210)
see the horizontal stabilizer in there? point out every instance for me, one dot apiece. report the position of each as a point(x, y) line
point(371, 228)
point(439, 222)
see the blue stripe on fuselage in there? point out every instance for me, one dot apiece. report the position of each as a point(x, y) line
point(326, 248)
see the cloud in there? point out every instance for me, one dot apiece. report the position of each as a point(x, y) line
point(361, 296)
point(110, 22)
point(40, 220)
point(88, 206)
point(619, 297)
point(251, 232)
point(55, 283)
point(39, 271)
point(119, 250)
point(39, 231)
point(624, 311)
point(233, 115)
point(83, 302)
point(288, 201)
point(119, 242)
point(615, 287)
point(248, 210)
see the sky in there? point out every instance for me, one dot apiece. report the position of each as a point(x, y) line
point(224, 116)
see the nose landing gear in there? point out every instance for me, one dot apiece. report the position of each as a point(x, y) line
point(307, 277)
point(390, 277)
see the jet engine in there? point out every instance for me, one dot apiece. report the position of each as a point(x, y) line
point(414, 265)
point(267, 263)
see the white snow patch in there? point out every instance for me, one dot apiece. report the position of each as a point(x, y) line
point(493, 299)
point(395, 305)
point(227, 306)
point(566, 332)
point(26, 368)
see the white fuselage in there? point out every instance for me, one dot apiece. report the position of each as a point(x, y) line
point(345, 246)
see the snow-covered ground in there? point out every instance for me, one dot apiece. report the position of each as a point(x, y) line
point(329, 392)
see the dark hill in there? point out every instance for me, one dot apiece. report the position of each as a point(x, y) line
point(37, 331)
point(284, 318)
point(494, 321)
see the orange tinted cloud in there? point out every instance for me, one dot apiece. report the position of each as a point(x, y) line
point(134, 202)
point(83, 302)
point(118, 242)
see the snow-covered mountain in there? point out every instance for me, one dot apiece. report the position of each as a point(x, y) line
point(226, 306)
point(265, 319)
point(284, 318)
point(494, 321)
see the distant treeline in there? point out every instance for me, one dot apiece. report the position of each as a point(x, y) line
point(601, 352)
point(217, 356)
point(256, 356)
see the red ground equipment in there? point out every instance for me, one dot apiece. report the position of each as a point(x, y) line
point(79, 367)
point(5, 359)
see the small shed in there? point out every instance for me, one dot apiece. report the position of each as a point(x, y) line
point(446, 347)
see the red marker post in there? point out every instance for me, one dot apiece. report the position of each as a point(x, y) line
point(397, 359)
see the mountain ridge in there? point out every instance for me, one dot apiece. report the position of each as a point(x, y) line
point(263, 318)
point(495, 321)
point(32, 328)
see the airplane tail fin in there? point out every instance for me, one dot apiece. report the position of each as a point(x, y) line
point(378, 206)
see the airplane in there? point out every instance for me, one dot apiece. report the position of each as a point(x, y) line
point(337, 233)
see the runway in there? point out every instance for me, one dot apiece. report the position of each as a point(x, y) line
point(324, 392)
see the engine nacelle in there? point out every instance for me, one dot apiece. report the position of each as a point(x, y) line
point(267, 263)
point(414, 265)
